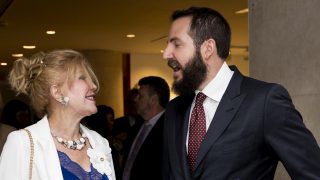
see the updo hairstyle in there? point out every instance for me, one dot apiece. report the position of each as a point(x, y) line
point(34, 77)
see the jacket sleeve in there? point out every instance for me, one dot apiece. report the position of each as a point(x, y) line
point(14, 160)
point(287, 136)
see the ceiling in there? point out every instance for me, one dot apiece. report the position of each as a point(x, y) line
point(102, 24)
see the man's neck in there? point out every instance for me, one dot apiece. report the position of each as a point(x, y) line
point(153, 112)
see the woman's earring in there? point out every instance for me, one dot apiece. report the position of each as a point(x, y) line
point(64, 100)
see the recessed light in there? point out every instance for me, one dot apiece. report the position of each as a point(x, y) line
point(29, 46)
point(161, 51)
point(3, 64)
point(131, 35)
point(51, 32)
point(242, 11)
point(16, 55)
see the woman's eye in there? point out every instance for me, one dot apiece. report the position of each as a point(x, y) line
point(82, 77)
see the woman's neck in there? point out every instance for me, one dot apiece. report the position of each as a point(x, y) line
point(65, 126)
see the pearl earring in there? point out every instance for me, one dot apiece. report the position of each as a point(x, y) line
point(64, 100)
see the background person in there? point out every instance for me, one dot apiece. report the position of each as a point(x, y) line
point(16, 113)
point(145, 157)
point(4, 131)
point(125, 130)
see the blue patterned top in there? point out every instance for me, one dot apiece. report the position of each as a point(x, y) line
point(73, 171)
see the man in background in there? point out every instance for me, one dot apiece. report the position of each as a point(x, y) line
point(145, 157)
point(124, 131)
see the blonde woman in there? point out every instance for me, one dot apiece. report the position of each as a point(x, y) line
point(62, 88)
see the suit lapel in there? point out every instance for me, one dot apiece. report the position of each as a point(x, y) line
point(226, 110)
point(181, 125)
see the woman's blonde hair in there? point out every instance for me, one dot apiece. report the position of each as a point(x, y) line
point(36, 75)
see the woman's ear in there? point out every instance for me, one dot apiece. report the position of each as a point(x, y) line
point(208, 48)
point(55, 92)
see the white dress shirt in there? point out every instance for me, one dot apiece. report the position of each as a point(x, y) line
point(214, 92)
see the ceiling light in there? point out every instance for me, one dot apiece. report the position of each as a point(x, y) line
point(29, 46)
point(161, 51)
point(17, 55)
point(242, 11)
point(131, 35)
point(51, 32)
point(3, 64)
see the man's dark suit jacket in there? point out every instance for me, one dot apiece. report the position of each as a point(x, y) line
point(122, 125)
point(254, 127)
point(148, 162)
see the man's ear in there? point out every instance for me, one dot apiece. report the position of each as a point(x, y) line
point(208, 48)
point(55, 92)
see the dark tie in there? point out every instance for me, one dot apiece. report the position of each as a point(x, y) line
point(197, 130)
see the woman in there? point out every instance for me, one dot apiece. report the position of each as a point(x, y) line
point(62, 88)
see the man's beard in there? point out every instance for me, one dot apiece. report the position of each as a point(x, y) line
point(193, 74)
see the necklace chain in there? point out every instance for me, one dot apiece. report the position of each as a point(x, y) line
point(76, 144)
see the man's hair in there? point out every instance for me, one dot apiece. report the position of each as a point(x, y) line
point(207, 23)
point(158, 86)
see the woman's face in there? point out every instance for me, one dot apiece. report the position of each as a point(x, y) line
point(81, 93)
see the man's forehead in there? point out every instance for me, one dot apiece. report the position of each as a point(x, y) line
point(183, 22)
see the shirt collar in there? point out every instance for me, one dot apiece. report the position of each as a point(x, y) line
point(218, 85)
point(154, 120)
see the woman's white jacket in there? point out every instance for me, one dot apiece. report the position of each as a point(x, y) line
point(15, 157)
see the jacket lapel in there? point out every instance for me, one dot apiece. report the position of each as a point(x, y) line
point(48, 154)
point(226, 110)
point(181, 125)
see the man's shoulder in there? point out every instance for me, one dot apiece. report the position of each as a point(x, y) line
point(249, 82)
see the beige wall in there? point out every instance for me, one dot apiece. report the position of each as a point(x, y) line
point(284, 48)
point(241, 61)
point(108, 67)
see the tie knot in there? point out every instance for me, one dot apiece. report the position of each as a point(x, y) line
point(200, 98)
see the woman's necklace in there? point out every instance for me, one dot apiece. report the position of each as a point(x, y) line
point(77, 144)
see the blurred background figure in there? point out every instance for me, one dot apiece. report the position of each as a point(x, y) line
point(4, 128)
point(16, 113)
point(4, 131)
point(145, 156)
point(131, 122)
point(125, 130)
point(102, 121)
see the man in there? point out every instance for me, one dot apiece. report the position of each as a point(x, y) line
point(125, 130)
point(243, 127)
point(145, 158)
point(131, 122)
